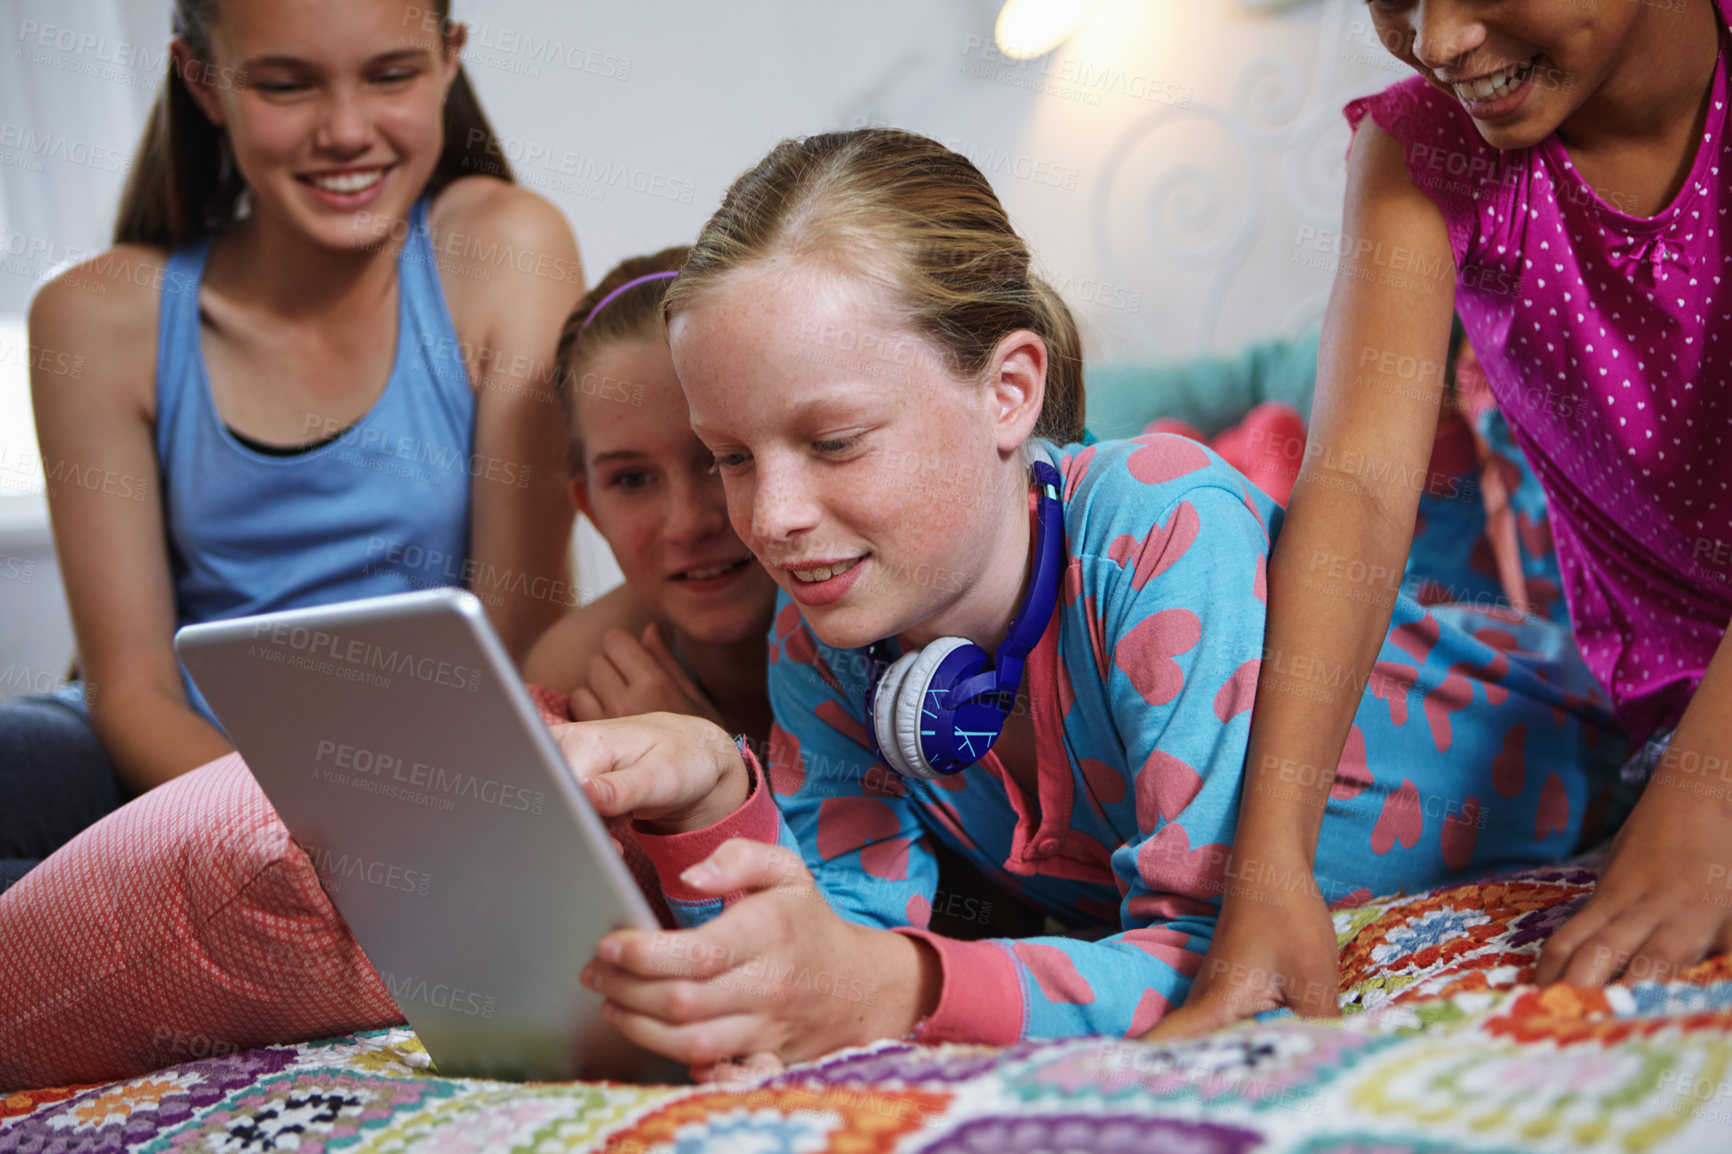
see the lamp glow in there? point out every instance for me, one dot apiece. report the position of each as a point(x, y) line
point(1030, 28)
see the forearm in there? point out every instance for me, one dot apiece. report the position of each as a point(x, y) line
point(526, 587)
point(1321, 642)
point(902, 990)
point(152, 736)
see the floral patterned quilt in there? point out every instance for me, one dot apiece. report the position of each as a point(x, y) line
point(1441, 1048)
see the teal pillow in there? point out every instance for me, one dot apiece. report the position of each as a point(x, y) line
point(1209, 392)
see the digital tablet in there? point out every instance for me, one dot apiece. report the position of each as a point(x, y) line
point(396, 741)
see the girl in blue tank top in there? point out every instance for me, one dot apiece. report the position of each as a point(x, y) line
point(317, 367)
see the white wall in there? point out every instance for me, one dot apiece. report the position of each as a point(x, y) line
point(1165, 162)
point(1188, 214)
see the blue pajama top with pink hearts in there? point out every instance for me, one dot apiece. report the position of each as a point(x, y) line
point(1480, 743)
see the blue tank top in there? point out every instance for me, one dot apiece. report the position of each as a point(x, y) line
point(382, 508)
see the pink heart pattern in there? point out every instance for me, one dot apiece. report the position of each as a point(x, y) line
point(1163, 547)
point(1165, 786)
point(1145, 653)
point(1164, 458)
point(1554, 810)
point(1055, 973)
point(1400, 820)
point(1239, 692)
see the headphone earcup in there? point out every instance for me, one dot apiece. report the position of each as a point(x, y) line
point(910, 704)
point(884, 702)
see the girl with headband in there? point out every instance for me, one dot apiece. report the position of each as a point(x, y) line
point(1039, 653)
point(291, 378)
point(685, 632)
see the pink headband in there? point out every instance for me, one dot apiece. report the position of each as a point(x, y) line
point(630, 284)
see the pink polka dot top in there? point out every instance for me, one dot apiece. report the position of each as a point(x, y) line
point(1607, 340)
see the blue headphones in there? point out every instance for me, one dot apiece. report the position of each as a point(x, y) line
point(939, 709)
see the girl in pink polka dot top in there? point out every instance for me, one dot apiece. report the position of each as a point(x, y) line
point(1558, 173)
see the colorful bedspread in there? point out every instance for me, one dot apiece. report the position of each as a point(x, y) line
point(1441, 1049)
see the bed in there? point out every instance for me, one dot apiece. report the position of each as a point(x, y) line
point(1443, 1046)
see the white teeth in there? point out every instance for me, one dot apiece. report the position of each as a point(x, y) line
point(1500, 84)
point(706, 574)
point(349, 181)
point(813, 576)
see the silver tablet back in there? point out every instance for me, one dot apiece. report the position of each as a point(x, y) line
point(397, 743)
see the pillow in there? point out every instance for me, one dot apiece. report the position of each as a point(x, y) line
point(188, 924)
point(182, 925)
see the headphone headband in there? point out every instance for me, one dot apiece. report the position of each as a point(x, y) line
point(940, 709)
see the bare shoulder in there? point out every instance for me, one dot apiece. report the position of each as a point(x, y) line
point(1378, 180)
point(506, 259)
point(101, 316)
point(491, 212)
point(560, 657)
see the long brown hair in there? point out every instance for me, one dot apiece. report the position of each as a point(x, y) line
point(635, 314)
point(902, 209)
point(184, 180)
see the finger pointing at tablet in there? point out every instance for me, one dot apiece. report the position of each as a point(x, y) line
point(674, 773)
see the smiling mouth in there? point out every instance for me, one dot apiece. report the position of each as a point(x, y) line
point(1497, 85)
point(825, 572)
point(346, 183)
point(712, 571)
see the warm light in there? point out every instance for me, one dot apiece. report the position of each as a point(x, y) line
point(1030, 28)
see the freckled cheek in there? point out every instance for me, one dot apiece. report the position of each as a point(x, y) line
point(739, 498)
point(634, 535)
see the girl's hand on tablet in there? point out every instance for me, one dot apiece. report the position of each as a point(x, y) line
point(633, 675)
point(670, 771)
point(776, 977)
